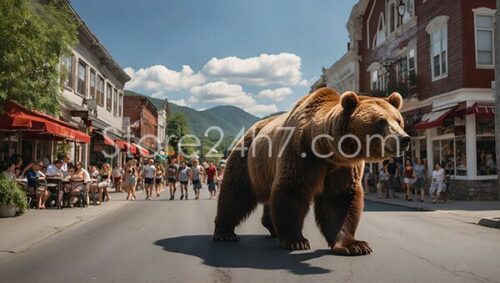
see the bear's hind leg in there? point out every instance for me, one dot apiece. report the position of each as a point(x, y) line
point(338, 215)
point(236, 200)
point(288, 210)
point(267, 221)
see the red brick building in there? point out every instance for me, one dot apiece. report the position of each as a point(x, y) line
point(440, 56)
point(143, 118)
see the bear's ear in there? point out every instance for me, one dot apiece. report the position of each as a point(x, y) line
point(349, 100)
point(396, 100)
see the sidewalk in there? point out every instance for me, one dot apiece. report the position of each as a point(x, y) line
point(485, 213)
point(20, 233)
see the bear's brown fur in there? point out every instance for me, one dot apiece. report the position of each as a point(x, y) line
point(286, 179)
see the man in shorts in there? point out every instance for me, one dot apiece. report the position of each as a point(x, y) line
point(196, 173)
point(210, 177)
point(184, 175)
point(172, 177)
point(149, 173)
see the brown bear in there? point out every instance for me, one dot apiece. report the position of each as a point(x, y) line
point(315, 152)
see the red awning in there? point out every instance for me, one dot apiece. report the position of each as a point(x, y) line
point(487, 111)
point(108, 141)
point(17, 117)
point(125, 145)
point(433, 119)
point(142, 150)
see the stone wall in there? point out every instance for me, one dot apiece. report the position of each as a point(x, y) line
point(473, 190)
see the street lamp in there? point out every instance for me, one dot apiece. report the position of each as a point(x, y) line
point(401, 9)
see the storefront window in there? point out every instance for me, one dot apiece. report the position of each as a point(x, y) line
point(448, 127)
point(451, 153)
point(485, 126)
point(486, 156)
point(461, 160)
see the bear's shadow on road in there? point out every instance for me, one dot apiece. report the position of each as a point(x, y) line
point(253, 251)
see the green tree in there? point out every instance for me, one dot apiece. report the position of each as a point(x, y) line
point(33, 37)
point(177, 127)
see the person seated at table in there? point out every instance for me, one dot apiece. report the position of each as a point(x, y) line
point(55, 170)
point(76, 177)
point(105, 181)
point(10, 171)
point(34, 175)
point(94, 173)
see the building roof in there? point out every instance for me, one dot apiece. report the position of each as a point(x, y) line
point(105, 57)
point(158, 104)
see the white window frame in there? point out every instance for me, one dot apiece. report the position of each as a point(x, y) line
point(438, 24)
point(486, 12)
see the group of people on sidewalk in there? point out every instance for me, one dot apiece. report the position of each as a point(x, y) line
point(62, 179)
point(412, 178)
point(75, 179)
point(153, 176)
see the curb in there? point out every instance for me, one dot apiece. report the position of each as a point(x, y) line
point(400, 205)
point(489, 222)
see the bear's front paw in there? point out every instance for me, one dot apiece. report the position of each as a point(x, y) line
point(229, 237)
point(353, 249)
point(295, 243)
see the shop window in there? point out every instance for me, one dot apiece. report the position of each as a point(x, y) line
point(461, 156)
point(451, 154)
point(486, 156)
point(81, 87)
point(485, 126)
point(448, 127)
point(109, 96)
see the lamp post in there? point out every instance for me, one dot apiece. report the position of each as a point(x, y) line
point(401, 9)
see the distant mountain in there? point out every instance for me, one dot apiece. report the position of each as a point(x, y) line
point(230, 118)
point(274, 114)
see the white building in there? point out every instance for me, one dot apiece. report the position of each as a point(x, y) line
point(93, 93)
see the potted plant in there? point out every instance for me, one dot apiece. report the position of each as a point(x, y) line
point(12, 198)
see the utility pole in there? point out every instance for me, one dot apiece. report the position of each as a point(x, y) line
point(497, 92)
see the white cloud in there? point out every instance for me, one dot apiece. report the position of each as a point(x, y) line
point(283, 68)
point(180, 102)
point(222, 93)
point(159, 78)
point(278, 94)
point(159, 94)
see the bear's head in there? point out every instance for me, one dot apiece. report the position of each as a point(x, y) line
point(372, 128)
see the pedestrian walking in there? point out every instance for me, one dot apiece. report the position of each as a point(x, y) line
point(420, 173)
point(184, 175)
point(210, 178)
point(158, 179)
point(149, 174)
point(392, 170)
point(437, 184)
point(117, 177)
point(172, 178)
point(382, 184)
point(130, 179)
point(409, 179)
point(196, 177)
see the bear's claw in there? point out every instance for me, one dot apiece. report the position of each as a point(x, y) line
point(226, 238)
point(295, 244)
point(354, 249)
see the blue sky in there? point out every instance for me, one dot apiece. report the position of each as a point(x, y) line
point(258, 55)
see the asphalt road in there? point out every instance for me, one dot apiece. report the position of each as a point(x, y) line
point(170, 241)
